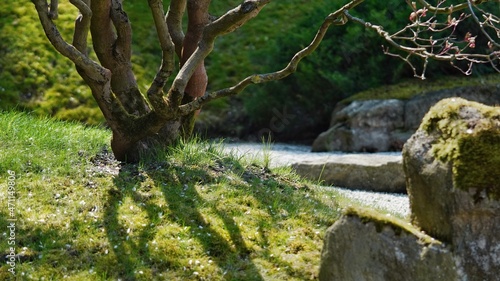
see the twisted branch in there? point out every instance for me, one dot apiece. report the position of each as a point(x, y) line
point(82, 25)
point(336, 18)
point(97, 72)
point(155, 91)
point(174, 22)
point(225, 24)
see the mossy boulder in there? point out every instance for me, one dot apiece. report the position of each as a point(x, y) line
point(452, 167)
point(386, 124)
point(468, 136)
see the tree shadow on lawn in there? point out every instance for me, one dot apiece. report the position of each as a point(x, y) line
point(198, 211)
point(42, 249)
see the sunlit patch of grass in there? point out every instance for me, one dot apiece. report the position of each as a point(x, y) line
point(44, 147)
point(187, 213)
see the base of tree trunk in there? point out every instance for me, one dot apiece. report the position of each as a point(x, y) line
point(131, 152)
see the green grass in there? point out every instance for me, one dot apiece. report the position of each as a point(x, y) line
point(188, 213)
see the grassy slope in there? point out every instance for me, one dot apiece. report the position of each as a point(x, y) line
point(33, 74)
point(188, 212)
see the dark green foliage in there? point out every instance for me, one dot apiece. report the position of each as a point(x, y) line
point(350, 59)
point(32, 74)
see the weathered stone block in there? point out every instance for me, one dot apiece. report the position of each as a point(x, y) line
point(363, 126)
point(452, 166)
point(363, 245)
point(382, 125)
point(375, 172)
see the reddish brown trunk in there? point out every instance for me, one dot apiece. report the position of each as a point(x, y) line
point(197, 19)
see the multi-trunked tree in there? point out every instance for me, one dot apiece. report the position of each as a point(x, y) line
point(167, 112)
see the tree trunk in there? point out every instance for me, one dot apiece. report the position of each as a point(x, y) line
point(198, 18)
point(140, 122)
point(131, 151)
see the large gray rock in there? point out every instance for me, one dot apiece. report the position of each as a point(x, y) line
point(372, 247)
point(363, 126)
point(385, 125)
point(452, 165)
point(375, 172)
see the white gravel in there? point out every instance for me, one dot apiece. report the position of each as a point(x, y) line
point(393, 203)
point(286, 154)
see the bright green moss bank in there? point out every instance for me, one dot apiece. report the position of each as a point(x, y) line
point(410, 88)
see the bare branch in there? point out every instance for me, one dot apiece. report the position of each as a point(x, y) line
point(476, 19)
point(97, 72)
point(82, 25)
point(103, 35)
point(223, 25)
point(198, 18)
point(112, 39)
point(448, 9)
point(406, 59)
point(54, 14)
point(174, 22)
point(447, 51)
point(155, 91)
point(123, 50)
point(336, 18)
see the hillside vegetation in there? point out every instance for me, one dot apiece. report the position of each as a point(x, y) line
point(35, 78)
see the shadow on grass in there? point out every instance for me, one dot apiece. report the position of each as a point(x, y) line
point(185, 206)
point(36, 246)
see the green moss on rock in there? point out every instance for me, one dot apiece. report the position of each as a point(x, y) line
point(382, 220)
point(478, 166)
point(468, 136)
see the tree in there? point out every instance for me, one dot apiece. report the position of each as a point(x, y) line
point(167, 112)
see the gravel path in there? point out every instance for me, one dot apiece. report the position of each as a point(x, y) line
point(286, 154)
point(390, 202)
point(280, 154)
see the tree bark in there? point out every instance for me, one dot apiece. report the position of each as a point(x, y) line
point(198, 18)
